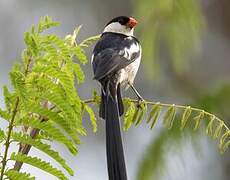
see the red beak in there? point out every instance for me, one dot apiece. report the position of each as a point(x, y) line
point(132, 22)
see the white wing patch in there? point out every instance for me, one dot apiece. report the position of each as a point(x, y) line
point(134, 48)
point(127, 75)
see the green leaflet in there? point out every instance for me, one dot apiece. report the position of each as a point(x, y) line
point(169, 116)
point(128, 119)
point(92, 117)
point(45, 23)
point(15, 175)
point(57, 96)
point(32, 43)
point(185, 116)
point(18, 82)
point(65, 80)
point(224, 141)
point(25, 139)
point(80, 54)
point(153, 111)
point(8, 98)
point(143, 109)
point(135, 115)
point(50, 129)
point(198, 119)
point(38, 163)
point(209, 128)
point(89, 41)
point(45, 85)
point(154, 114)
point(67, 111)
point(2, 135)
point(57, 119)
point(4, 114)
point(218, 130)
point(80, 76)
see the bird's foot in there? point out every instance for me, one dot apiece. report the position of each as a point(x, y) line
point(140, 101)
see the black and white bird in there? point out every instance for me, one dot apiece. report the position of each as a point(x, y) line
point(115, 60)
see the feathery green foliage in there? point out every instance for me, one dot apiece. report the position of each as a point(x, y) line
point(219, 129)
point(25, 139)
point(154, 162)
point(45, 104)
point(136, 111)
point(15, 175)
point(48, 104)
point(36, 162)
point(176, 23)
point(2, 135)
point(92, 116)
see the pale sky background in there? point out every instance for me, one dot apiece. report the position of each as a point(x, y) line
point(16, 16)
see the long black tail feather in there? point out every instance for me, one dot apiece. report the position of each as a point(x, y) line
point(114, 147)
point(103, 102)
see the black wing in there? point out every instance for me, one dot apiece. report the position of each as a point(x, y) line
point(110, 61)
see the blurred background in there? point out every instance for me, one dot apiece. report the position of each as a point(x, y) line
point(186, 60)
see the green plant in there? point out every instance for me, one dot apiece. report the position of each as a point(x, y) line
point(176, 24)
point(44, 105)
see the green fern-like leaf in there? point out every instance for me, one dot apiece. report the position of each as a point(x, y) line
point(4, 114)
point(38, 163)
point(92, 117)
point(73, 119)
point(57, 119)
point(198, 119)
point(143, 110)
point(2, 135)
point(80, 54)
point(128, 119)
point(8, 98)
point(70, 109)
point(224, 141)
point(80, 76)
point(18, 81)
point(218, 130)
point(209, 129)
point(64, 79)
point(169, 116)
point(15, 175)
point(154, 114)
point(45, 23)
point(25, 139)
point(54, 132)
point(185, 116)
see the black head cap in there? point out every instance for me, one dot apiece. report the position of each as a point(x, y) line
point(123, 20)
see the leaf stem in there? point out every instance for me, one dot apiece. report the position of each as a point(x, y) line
point(169, 105)
point(7, 144)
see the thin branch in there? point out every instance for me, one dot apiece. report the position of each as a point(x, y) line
point(169, 105)
point(11, 125)
point(34, 132)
